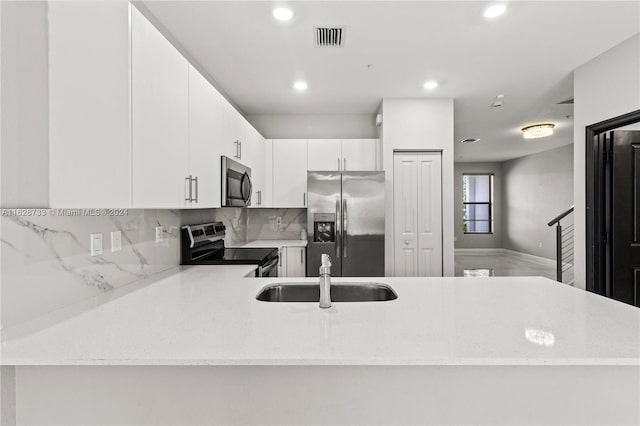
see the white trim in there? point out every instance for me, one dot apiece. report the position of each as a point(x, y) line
point(496, 251)
point(478, 251)
point(531, 258)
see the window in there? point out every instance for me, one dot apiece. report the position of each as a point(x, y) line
point(477, 197)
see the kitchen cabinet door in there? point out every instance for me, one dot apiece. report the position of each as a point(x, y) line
point(232, 132)
point(160, 105)
point(89, 107)
point(359, 154)
point(324, 154)
point(205, 148)
point(296, 262)
point(282, 265)
point(289, 173)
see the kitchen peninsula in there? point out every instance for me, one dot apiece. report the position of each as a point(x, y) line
point(490, 350)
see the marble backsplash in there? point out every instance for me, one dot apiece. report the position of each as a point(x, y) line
point(45, 261)
point(262, 224)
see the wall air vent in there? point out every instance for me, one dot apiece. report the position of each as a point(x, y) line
point(567, 102)
point(329, 36)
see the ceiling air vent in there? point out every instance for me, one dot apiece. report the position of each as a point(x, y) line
point(329, 36)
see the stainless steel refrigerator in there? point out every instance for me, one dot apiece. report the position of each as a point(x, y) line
point(345, 219)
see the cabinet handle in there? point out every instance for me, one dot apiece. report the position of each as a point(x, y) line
point(280, 258)
point(344, 164)
point(240, 145)
point(237, 144)
point(301, 261)
point(304, 199)
point(187, 181)
point(339, 164)
point(259, 194)
point(196, 180)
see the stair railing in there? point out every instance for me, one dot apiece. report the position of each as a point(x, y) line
point(564, 244)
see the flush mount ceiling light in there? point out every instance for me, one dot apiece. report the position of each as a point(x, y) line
point(300, 85)
point(282, 13)
point(538, 130)
point(494, 11)
point(470, 140)
point(431, 84)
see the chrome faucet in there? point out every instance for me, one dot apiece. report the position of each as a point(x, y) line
point(325, 281)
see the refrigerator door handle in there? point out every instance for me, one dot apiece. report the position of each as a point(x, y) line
point(337, 230)
point(344, 228)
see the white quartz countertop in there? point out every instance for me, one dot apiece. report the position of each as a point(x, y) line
point(279, 244)
point(209, 316)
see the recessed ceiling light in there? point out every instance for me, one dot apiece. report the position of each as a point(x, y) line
point(282, 13)
point(431, 84)
point(300, 86)
point(538, 130)
point(470, 140)
point(494, 11)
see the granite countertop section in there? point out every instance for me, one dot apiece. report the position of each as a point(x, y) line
point(279, 244)
point(204, 316)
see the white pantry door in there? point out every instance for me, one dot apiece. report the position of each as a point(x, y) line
point(417, 185)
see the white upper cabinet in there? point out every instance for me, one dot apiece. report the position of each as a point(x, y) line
point(324, 154)
point(205, 149)
point(289, 173)
point(160, 104)
point(343, 154)
point(89, 104)
point(359, 154)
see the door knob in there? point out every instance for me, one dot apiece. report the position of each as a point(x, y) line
point(406, 242)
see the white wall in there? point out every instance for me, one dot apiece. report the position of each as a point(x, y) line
point(605, 87)
point(419, 124)
point(329, 126)
point(537, 188)
point(493, 240)
point(24, 150)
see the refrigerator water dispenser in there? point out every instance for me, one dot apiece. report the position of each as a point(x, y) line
point(324, 228)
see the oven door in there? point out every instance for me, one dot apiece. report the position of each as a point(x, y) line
point(270, 270)
point(236, 184)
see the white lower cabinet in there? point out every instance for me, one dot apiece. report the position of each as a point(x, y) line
point(282, 265)
point(296, 262)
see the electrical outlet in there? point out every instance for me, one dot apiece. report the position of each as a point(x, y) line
point(96, 244)
point(116, 241)
point(158, 234)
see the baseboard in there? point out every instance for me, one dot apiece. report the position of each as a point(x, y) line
point(478, 251)
point(531, 258)
point(493, 251)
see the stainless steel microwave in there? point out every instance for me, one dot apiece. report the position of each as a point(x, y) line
point(236, 184)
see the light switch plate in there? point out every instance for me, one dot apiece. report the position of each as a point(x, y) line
point(96, 244)
point(158, 234)
point(116, 241)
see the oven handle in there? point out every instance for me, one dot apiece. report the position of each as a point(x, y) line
point(269, 266)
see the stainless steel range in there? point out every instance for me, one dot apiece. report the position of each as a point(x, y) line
point(203, 244)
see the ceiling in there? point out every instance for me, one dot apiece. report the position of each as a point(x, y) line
point(528, 54)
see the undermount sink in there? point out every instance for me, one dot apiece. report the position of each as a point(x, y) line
point(340, 292)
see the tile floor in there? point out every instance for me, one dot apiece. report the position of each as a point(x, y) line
point(502, 265)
